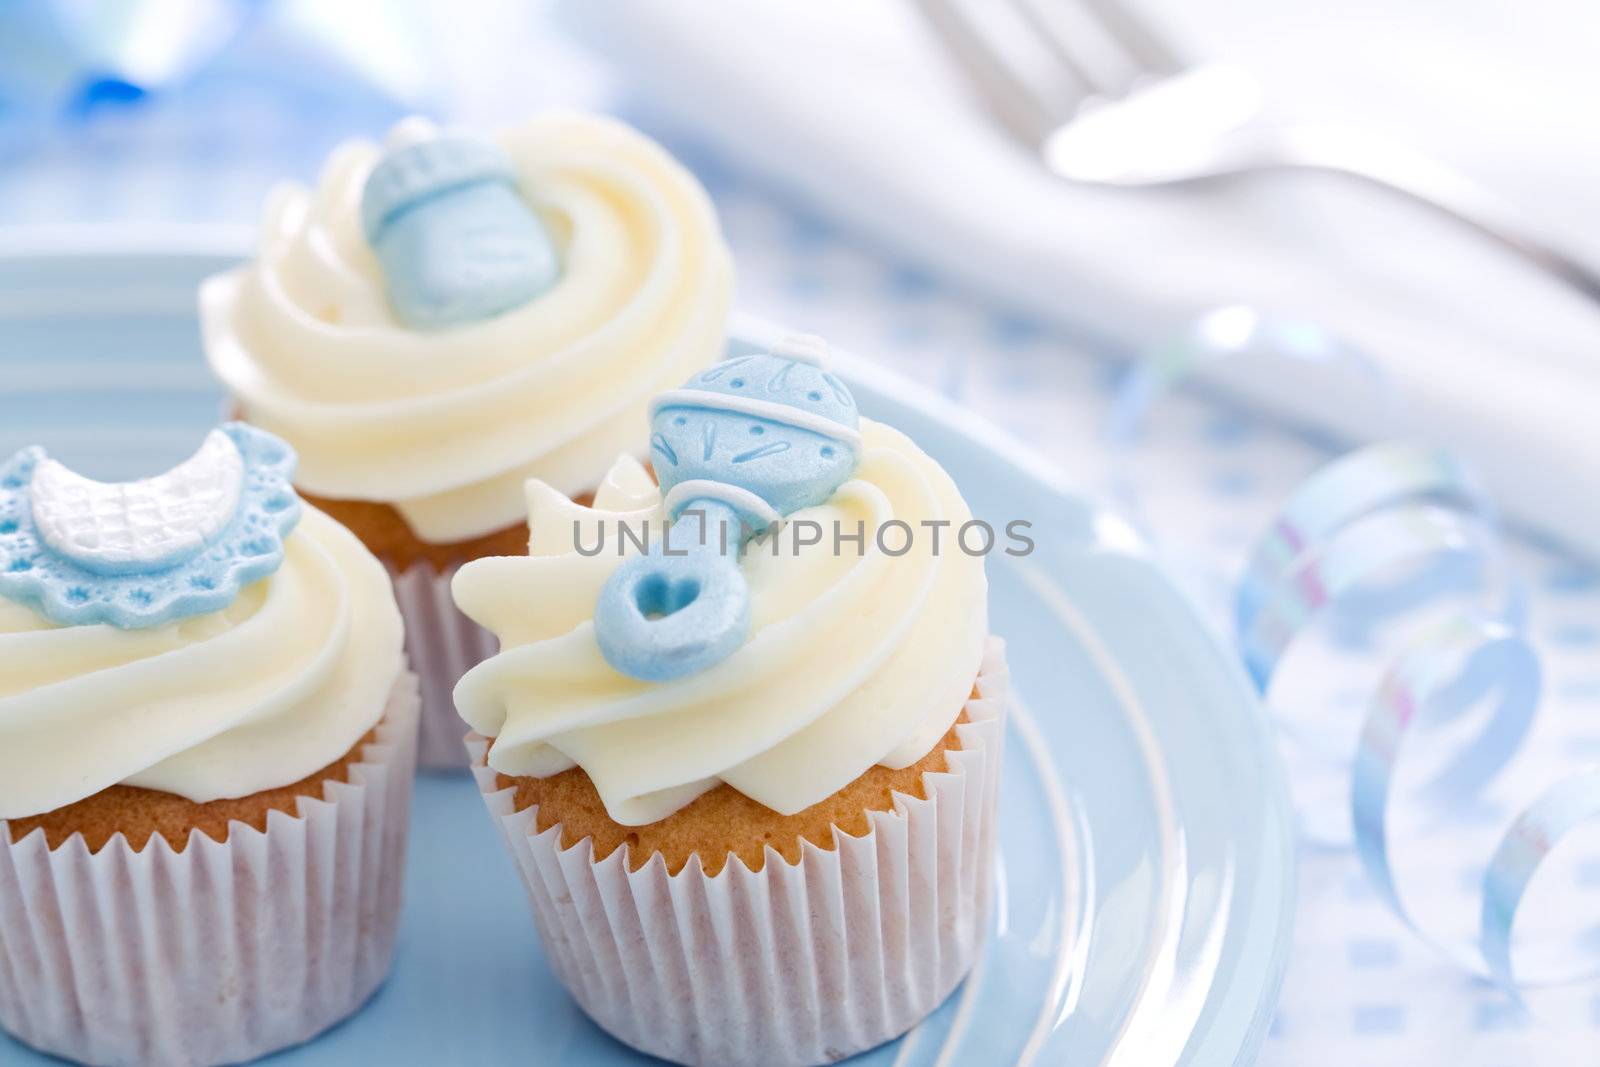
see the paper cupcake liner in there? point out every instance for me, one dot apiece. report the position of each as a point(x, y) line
point(222, 952)
point(798, 964)
point(443, 644)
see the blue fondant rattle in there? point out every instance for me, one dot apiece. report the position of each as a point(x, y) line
point(150, 552)
point(745, 443)
point(457, 241)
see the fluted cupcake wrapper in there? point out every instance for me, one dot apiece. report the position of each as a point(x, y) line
point(442, 644)
point(797, 964)
point(222, 952)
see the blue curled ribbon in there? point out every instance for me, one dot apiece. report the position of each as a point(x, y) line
point(1275, 611)
point(1224, 334)
point(1443, 671)
point(1364, 483)
point(1337, 544)
point(1562, 808)
point(1221, 335)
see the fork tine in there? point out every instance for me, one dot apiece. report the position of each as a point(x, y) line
point(1105, 44)
point(1025, 109)
point(1055, 40)
point(1125, 26)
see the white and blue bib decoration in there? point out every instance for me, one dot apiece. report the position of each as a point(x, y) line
point(750, 440)
point(149, 552)
point(457, 241)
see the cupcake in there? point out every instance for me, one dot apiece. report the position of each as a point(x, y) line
point(207, 743)
point(443, 318)
point(748, 773)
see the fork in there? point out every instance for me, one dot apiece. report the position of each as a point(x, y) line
point(1103, 99)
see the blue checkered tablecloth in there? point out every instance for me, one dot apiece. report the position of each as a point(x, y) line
point(1361, 989)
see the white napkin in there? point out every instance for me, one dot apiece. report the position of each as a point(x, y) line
point(851, 105)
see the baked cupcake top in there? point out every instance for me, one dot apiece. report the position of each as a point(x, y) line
point(859, 637)
point(443, 318)
point(201, 633)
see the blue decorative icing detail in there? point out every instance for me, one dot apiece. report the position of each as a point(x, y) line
point(664, 616)
point(780, 427)
point(751, 439)
point(247, 547)
point(457, 241)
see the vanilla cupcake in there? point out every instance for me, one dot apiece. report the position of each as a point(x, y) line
point(751, 793)
point(207, 742)
point(442, 318)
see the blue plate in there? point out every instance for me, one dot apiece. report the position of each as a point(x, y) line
point(1146, 884)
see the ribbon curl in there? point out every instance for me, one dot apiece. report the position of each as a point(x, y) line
point(1335, 547)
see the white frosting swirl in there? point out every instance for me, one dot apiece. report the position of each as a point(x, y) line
point(274, 687)
point(446, 426)
point(853, 659)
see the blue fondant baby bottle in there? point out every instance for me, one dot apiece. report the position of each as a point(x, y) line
point(752, 439)
point(457, 241)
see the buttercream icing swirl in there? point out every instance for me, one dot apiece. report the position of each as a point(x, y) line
point(855, 657)
point(446, 425)
point(278, 684)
